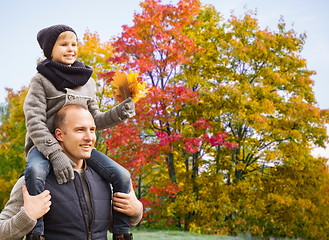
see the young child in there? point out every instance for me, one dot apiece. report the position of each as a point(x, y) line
point(62, 80)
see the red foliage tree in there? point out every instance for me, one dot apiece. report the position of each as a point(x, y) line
point(165, 144)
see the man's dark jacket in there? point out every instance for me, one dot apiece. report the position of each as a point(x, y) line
point(69, 216)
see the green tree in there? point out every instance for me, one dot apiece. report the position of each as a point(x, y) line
point(249, 82)
point(12, 136)
point(173, 139)
point(259, 90)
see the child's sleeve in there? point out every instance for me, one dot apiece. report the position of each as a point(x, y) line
point(35, 107)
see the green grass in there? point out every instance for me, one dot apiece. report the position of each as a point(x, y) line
point(143, 234)
point(173, 235)
point(177, 235)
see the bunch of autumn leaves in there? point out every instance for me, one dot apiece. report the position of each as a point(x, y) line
point(127, 85)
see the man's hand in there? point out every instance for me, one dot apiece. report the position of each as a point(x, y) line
point(36, 206)
point(127, 203)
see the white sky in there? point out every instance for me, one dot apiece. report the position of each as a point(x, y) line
point(20, 21)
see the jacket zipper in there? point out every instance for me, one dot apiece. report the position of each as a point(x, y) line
point(91, 205)
point(83, 212)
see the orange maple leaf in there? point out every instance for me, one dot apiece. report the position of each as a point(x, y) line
point(125, 86)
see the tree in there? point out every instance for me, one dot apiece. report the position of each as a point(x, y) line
point(296, 200)
point(259, 89)
point(248, 82)
point(157, 46)
point(12, 136)
point(143, 145)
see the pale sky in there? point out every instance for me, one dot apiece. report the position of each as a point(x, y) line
point(20, 21)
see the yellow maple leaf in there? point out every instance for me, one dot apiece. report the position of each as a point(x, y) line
point(125, 86)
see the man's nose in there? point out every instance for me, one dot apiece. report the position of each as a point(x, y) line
point(88, 135)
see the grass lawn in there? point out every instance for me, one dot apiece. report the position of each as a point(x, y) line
point(177, 235)
point(143, 234)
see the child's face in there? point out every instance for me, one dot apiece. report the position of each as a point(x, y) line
point(65, 48)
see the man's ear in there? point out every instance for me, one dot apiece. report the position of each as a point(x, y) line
point(59, 134)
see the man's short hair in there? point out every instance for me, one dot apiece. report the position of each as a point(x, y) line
point(59, 117)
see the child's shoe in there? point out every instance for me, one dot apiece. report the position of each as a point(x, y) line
point(34, 236)
point(125, 236)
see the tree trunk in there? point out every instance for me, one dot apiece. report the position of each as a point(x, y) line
point(171, 167)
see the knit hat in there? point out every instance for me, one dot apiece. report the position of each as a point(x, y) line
point(47, 37)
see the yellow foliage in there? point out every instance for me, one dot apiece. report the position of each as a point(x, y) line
point(125, 86)
point(6, 186)
point(95, 53)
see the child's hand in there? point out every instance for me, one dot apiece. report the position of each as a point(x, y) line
point(126, 109)
point(63, 167)
point(36, 206)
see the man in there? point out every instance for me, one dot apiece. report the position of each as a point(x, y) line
point(80, 209)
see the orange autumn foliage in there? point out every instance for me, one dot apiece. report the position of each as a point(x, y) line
point(125, 86)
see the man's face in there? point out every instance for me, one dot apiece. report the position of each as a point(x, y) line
point(77, 135)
